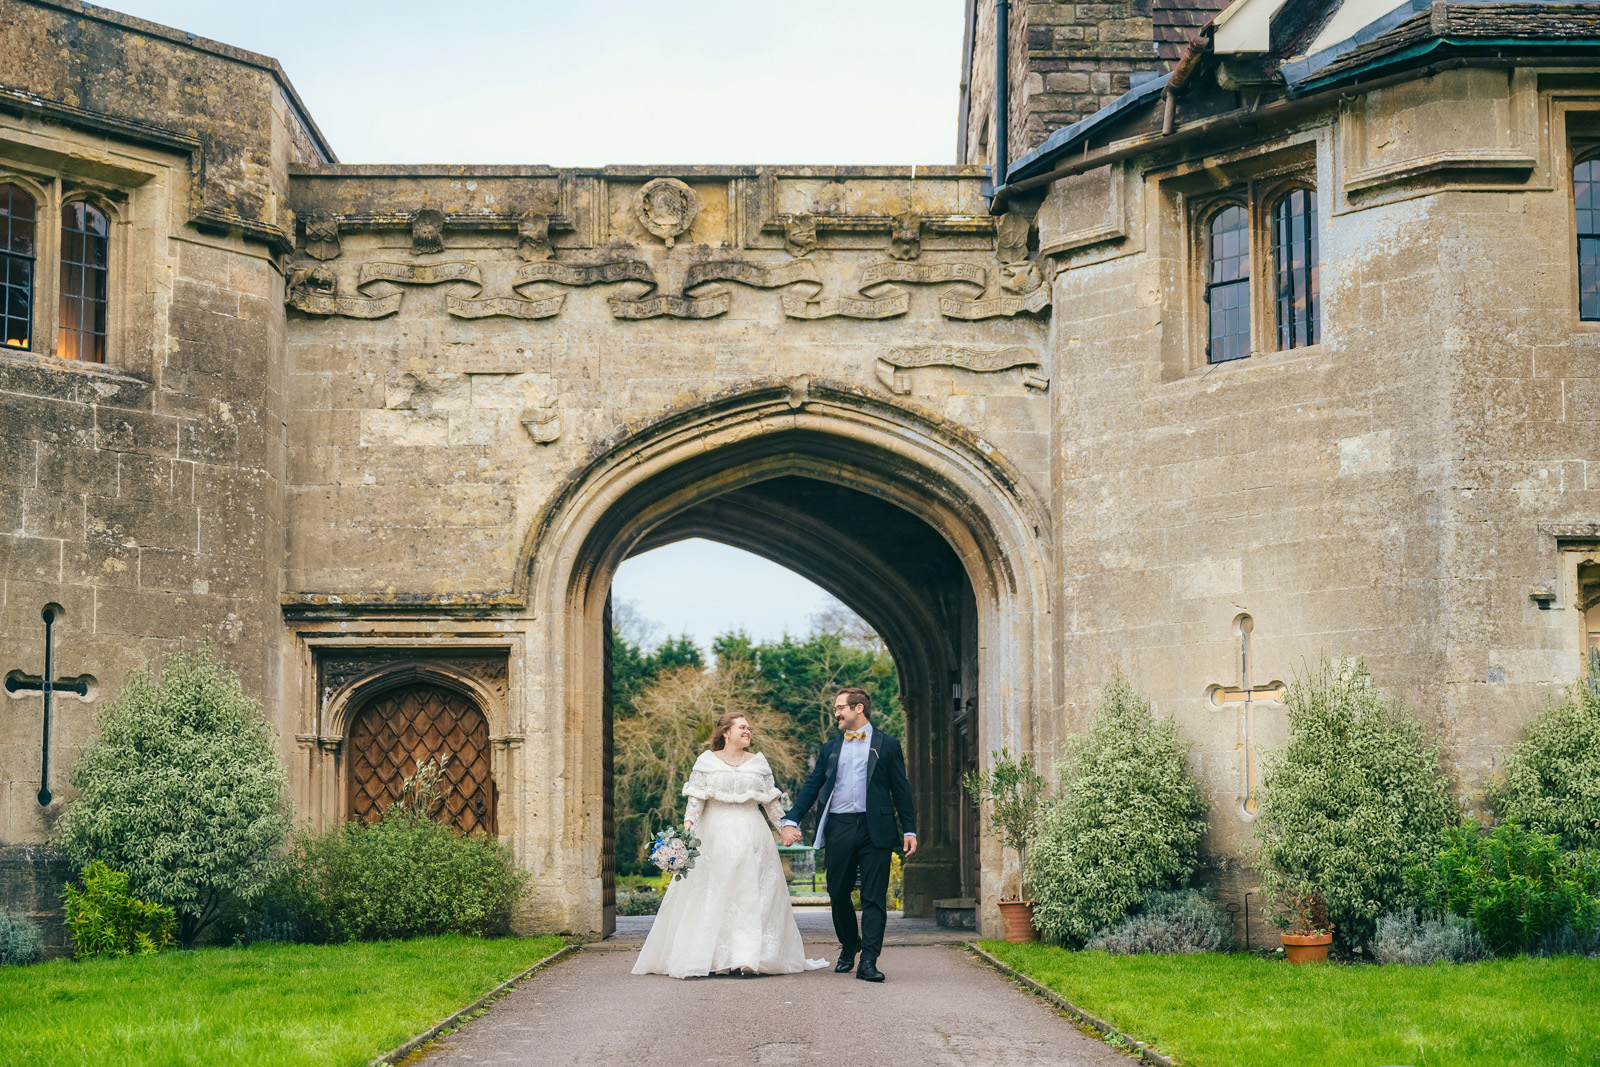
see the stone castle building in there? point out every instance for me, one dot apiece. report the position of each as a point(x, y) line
point(1248, 333)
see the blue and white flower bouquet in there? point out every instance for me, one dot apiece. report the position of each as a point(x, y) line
point(673, 853)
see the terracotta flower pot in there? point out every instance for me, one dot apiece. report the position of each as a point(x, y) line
point(1018, 915)
point(1307, 948)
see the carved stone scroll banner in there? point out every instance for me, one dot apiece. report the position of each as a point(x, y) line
point(543, 307)
point(578, 275)
point(896, 302)
point(461, 307)
point(955, 307)
point(715, 301)
point(924, 274)
point(891, 368)
point(507, 306)
point(315, 291)
point(758, 277)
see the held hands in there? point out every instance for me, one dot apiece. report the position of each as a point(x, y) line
point(790, 835)
point(911, 845)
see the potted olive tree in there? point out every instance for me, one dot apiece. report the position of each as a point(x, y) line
point(1014, 792)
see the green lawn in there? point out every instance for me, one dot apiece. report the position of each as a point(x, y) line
point(266, 1005)
point(1245, 1011)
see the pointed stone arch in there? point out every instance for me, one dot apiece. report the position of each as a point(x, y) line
point(657, 483)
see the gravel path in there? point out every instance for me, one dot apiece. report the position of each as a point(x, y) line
point(940, 1006)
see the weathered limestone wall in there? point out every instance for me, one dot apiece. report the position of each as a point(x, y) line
point(144, 495)
point(451, 373)
point(1393, 491)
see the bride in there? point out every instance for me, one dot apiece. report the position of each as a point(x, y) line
point(731, 911)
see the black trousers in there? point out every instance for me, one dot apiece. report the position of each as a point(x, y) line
point(849, 850)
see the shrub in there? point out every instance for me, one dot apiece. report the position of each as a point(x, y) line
point(1014, 793)
point(1406, 937)
point(637, 902)
point(1355, 792)
point(406, 875)
point(1519, 888)
point(1128, 821)
point(183, 791)
point(21, 940)
point(1552, 778)
point(106, 920)
point(1167, 924)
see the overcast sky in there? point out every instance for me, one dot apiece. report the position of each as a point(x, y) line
point(627, 81)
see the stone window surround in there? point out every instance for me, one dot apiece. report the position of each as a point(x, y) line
point(1578, 119)
point(52, 191)
point(1256, 195)
point(1186, 198)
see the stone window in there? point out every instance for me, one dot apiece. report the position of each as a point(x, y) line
point(18, 231)
point(85, 246)
point(1294, 268)
point(1586, 201)
point(1228, 284)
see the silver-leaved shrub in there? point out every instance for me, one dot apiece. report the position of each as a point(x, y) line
point(182, 791)
point(1128, 820)
point(1355, 797)
point(1552, 778)
point(1168, 923)
point(1406, 937)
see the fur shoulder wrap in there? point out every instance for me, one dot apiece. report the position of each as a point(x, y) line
point(712, 779)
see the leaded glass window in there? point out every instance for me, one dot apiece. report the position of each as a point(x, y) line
point(18, 226)
point(84, 249)
point(1228, 284)
point(1586, 197)
point(1294, 265)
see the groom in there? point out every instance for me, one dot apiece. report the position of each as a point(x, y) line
point(858, 785)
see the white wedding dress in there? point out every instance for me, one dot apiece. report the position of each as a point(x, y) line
point(731, 912)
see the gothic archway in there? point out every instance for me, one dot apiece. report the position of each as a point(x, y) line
point(949, 565)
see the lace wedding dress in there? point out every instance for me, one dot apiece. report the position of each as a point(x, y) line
point(731, 912)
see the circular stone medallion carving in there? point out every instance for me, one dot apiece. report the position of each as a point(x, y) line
point(666, 208)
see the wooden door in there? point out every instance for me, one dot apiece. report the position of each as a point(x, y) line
point(403, 727)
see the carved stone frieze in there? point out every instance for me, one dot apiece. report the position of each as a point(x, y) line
point(891, 368)
point(427, 231)
point(666, 207)
point(877, 293)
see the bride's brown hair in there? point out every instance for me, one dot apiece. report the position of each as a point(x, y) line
point(719, 735)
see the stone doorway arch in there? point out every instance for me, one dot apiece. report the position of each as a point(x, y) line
point(766, 469)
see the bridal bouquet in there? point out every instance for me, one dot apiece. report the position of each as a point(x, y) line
point(673, 853)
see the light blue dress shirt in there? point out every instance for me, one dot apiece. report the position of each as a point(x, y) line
point(850, 784)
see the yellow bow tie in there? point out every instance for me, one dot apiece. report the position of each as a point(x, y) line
point(855, 735)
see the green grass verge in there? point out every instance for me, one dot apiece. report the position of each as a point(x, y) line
point(1244, 1011)
point(267, 1005)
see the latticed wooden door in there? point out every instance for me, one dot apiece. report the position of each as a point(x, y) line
point(404, 727)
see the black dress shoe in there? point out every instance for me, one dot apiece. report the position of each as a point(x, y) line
point(847, 960)
point(868, 971)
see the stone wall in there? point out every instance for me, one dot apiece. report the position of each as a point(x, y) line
point(1398, 491)
point(144, 494)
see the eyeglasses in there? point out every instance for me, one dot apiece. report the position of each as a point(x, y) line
point(847, 707)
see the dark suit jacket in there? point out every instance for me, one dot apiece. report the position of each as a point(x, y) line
point(888, 791)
